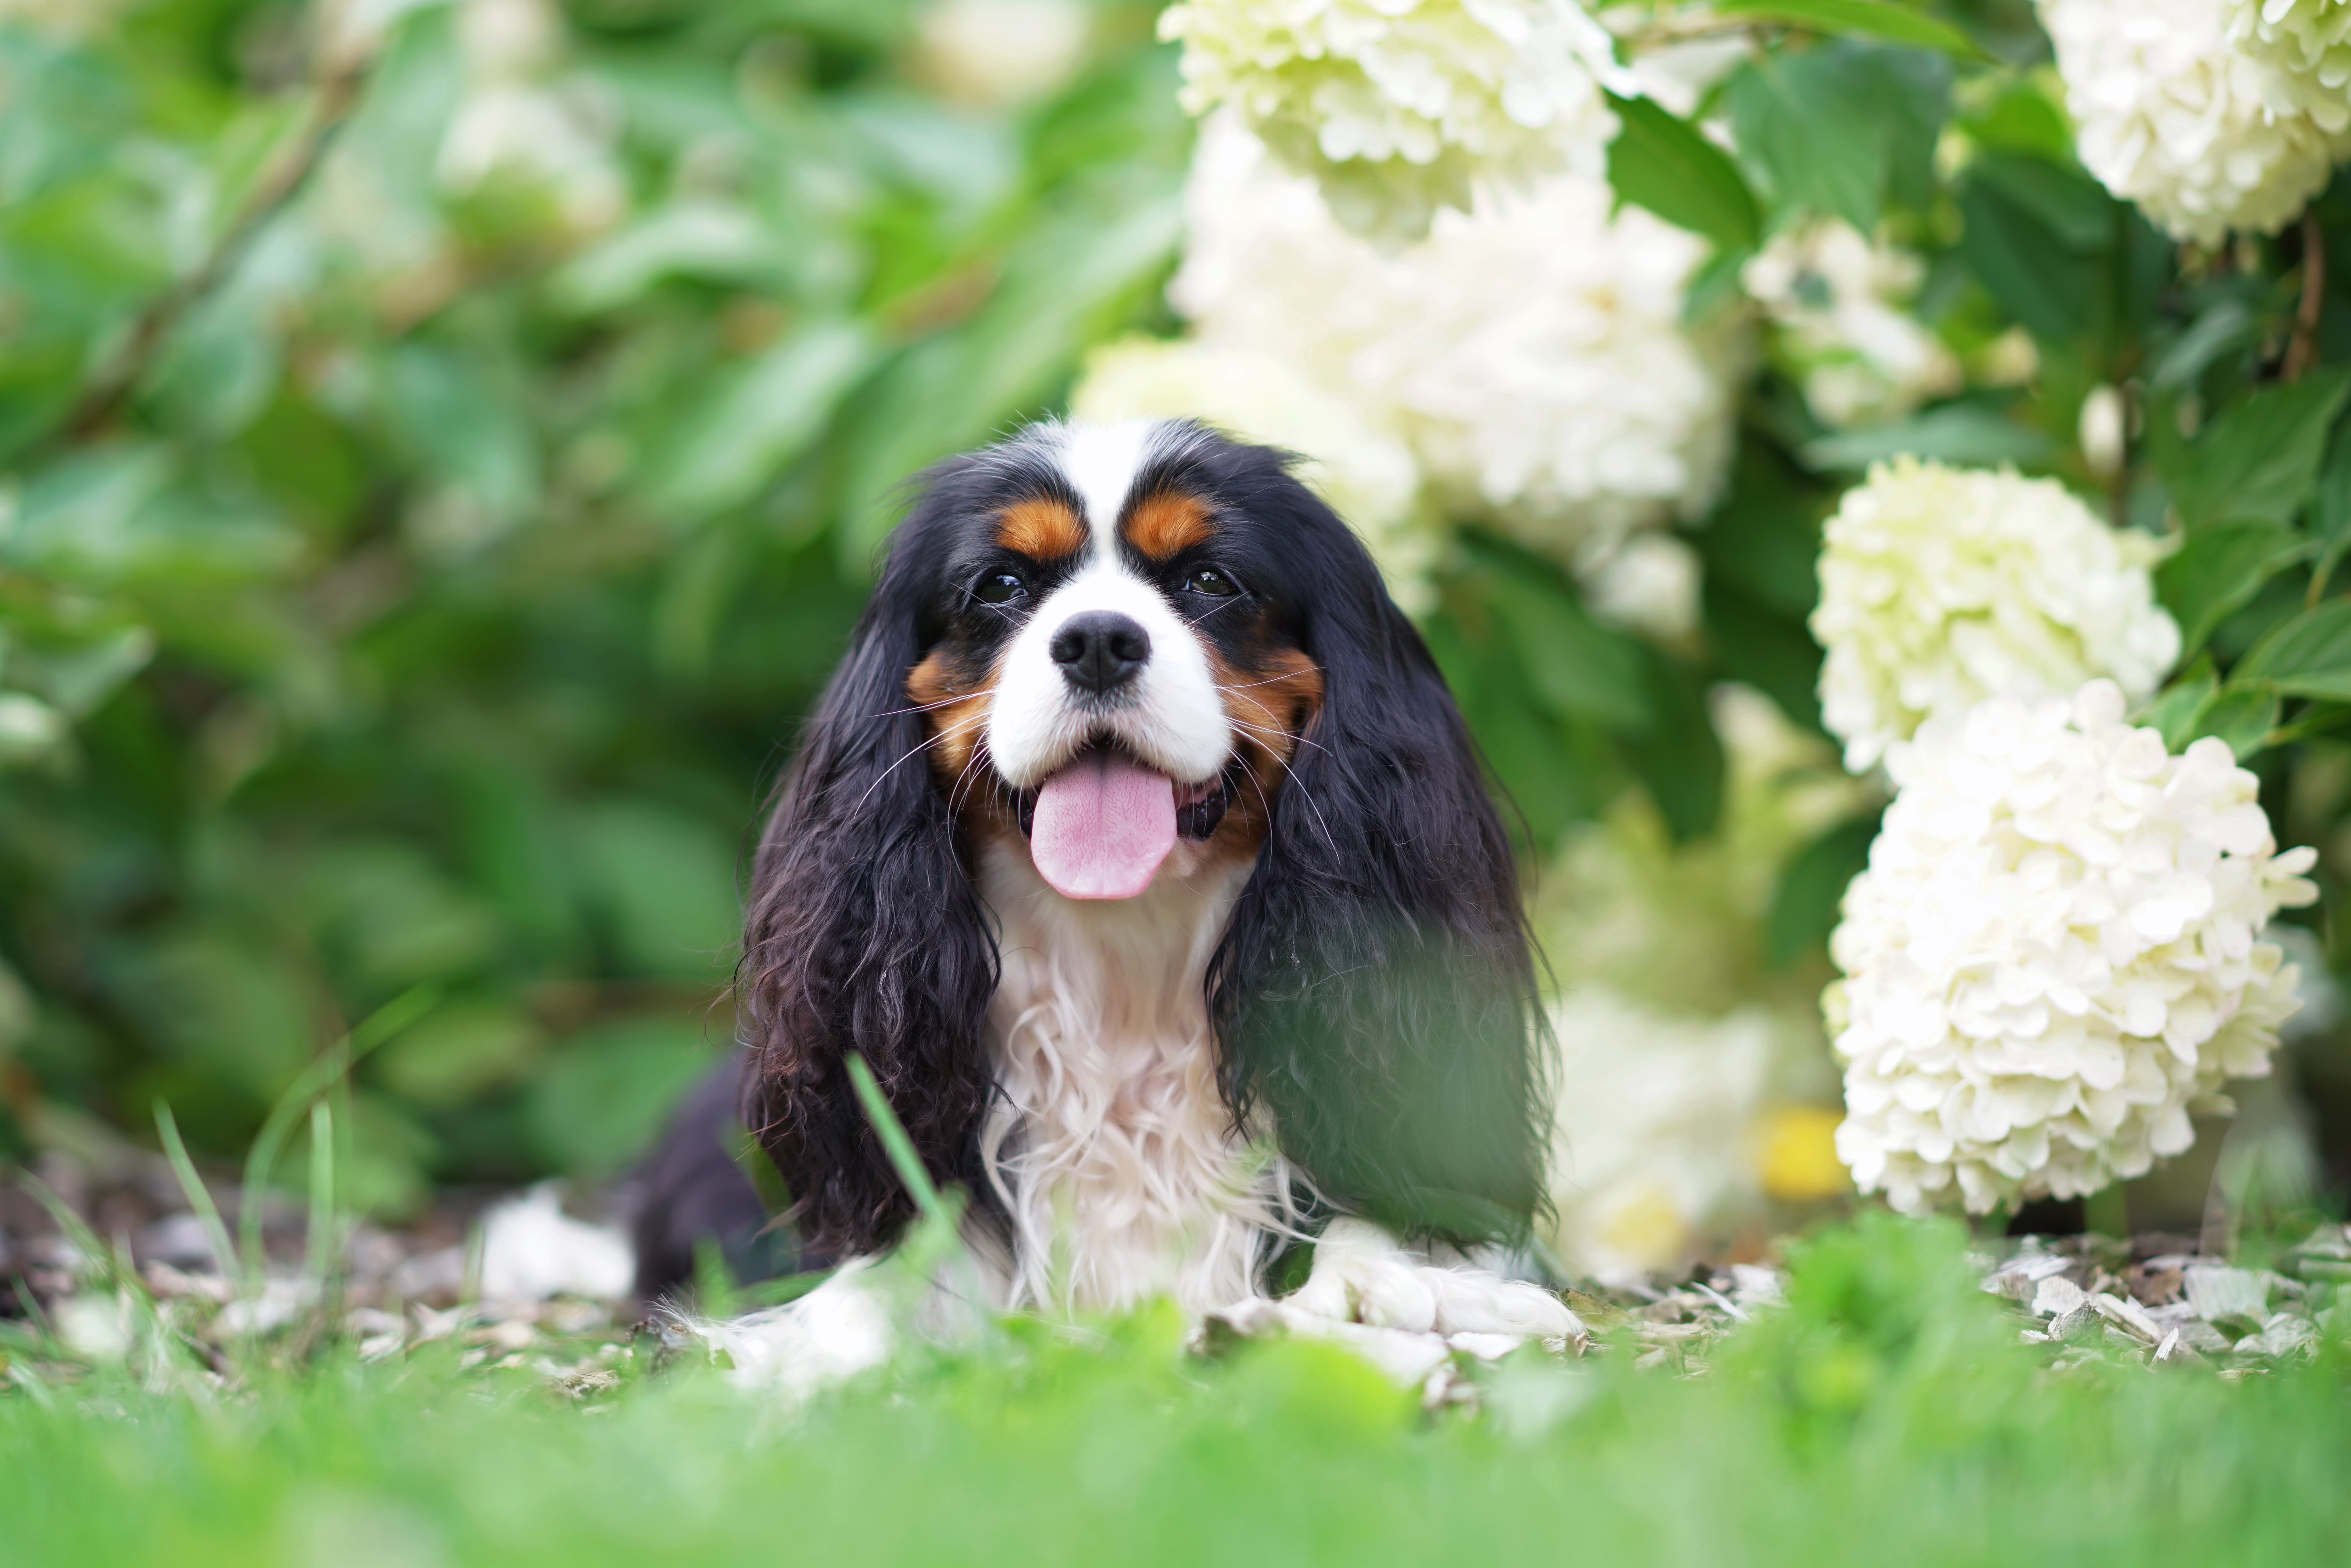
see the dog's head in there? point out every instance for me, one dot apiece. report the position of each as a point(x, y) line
point(1144, 649)
point(1113, 669)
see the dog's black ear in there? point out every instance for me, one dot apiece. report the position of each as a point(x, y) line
point(1375, 990)
point(864, 932)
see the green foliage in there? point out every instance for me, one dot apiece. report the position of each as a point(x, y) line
point(1887, 1411)
point(411, 577)
point(1664, 164)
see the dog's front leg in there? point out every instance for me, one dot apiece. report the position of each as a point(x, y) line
point(1363, 1274)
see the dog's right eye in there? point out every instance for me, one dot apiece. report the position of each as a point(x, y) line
point(999, 588)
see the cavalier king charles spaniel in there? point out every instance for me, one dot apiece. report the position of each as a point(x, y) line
point(1140, 850)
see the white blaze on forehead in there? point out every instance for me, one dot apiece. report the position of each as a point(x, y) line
point(1172, 718)
point(1101, 462)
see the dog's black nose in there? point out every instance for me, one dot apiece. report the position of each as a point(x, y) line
point(1101, 650)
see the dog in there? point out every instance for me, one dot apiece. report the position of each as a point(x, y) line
point(1138, 847)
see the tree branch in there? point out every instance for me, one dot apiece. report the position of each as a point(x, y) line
point(277, 185)
point(2301, 351)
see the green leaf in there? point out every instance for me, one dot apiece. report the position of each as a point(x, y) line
point(2241, 716)
point(2216, 571)
point(1865, 18)
point(1839, 129)
point(2174, 710)
point(2330, 512)
point(2309, 656)
point(760, 418)
point(1578, 668)
point(1678, 757)
point(604, 1094)
point(1964, 432)
point(459, 1052)
point(1765, 536)
point(2073, 208)
point(2228, 323)
point(2045, 285)
point(463, 426)
point(1768, 650)
point(1814, 153)
point(2260, 460)
point(664, 885)
point(1661, 161)
point(1811, 886)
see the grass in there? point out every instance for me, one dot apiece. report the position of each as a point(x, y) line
point(1887, 1412)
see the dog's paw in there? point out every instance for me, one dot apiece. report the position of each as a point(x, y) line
point(830, 1336)
point(1362, 1274)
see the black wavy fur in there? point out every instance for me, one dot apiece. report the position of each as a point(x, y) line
point(1374, 994)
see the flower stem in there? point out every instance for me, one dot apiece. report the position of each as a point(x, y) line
point(2303, 349)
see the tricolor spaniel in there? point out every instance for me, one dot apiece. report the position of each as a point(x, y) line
point(1139, 848)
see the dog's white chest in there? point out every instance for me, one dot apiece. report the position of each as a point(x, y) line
point(1108, 1143)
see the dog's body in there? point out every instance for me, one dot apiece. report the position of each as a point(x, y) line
point(1139, 849)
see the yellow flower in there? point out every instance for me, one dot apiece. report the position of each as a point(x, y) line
point(1797, 1155)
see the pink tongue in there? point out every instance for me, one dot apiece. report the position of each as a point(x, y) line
point(1102, 825)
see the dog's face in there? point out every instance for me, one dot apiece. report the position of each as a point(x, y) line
point(1113, 669)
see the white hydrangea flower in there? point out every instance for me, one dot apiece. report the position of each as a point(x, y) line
point(2310, 41)
point(30, 729)
point(1368, 476)
point(1532, 355)
point(2053, 953)
point(1653, 1130)
point(1842, 303)
point(520, 118)
point(993, 53)
point(1400, 107)
point(2205, 135)
point(1942, 586)
point(1650, 585)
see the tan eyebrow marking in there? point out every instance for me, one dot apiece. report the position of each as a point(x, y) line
point(1041, 529)
point(1170, 521)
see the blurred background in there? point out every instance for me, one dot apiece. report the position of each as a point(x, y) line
point(446, 445)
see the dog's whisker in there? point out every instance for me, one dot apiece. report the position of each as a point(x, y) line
point(920, 707)
point(1270, 680)
point(1275, 733)
point(926, 746)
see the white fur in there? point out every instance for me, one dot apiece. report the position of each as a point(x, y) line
point(1109, 1145)
point(832, 1333)
point(1362, 1274)
point(1101, 462)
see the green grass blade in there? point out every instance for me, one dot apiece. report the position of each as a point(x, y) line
point(200, 1197)
point(895, 1142)
point(308, 1084)
point(321, 1246)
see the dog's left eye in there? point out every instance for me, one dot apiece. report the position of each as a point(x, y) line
point(999, 588)
point(1211, 582)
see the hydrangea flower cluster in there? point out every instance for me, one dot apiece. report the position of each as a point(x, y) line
point(522, 119)
point(2054, 954)
point(2310, 41)
point(1842, 303)
point(2205, 135)
point(992, 54)
point(1654, 1140)
point(1532, 355)
point(1942, 586)
point(1401, 107)
point(1368, 476)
